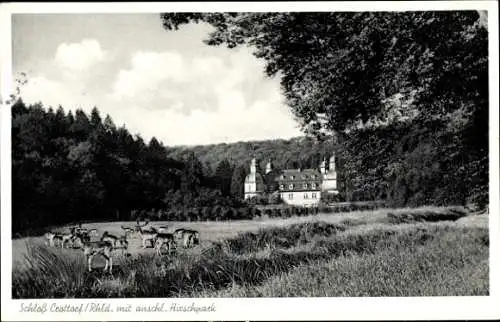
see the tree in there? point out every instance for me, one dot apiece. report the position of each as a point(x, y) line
point(340, 67)
point(109, 125)
point(80, 128)
point(238, 182)
point(95, 118)
point(192, 175)
point(223, 176)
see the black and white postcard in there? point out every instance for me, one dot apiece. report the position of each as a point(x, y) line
point(249, 161)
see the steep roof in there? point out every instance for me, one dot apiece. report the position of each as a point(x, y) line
point(292, 175)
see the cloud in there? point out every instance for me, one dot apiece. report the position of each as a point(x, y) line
point(79, 57)
point(233, 119)
point(180, 97)
point(147, 72)
point(70, 95)
point(200, 99)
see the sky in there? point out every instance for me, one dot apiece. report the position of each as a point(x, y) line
point(166, 84)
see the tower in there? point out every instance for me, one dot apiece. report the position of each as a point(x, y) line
point(322, 167)
point(253, 166)
point(332, 163)
point(330, 178)
point(254, 183)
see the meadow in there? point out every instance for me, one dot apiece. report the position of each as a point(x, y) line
point(426, 251)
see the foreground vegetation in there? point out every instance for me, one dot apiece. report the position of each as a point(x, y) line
point(353, 256)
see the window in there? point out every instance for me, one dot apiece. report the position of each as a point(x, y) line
point(313, 195)
point(292, 177)
point(282, 177)
point(290, 196)
point(290, 186)
point(306, 196)
point(282, 187)
point(313, 186)
point(304, 186)
point(313, 176)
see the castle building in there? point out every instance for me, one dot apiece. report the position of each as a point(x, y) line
point(298, 187)
point(254, 183)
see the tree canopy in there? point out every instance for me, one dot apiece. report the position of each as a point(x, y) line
point(339, 68)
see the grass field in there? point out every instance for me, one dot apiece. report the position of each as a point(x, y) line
point(389, 252)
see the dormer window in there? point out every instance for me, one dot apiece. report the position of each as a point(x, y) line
point(313, 176)
point(313, 186)
point(290, 186)
point(292, 177)
point(282, 187)
point(282, 177)
point(304, 186)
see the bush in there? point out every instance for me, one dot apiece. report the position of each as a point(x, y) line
point(275, 199)
point(257, 213)
point(448, 214)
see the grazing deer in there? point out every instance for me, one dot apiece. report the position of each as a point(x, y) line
point(87, 231)
point(128, 229)
point(190, 238)
point(178, 233)
point(78, 233)
point(107, 237)
point(138, 225)
point(68, 237)
point(148, 235)
point(136, 228)
point(116, 241)
point(82, 237)
point(164, 239)
point(122, 243)
point(103, 248)
point(52, 237)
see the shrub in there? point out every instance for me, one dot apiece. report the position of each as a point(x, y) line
point(417, 215)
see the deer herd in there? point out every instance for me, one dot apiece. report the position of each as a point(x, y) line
point(158, 238)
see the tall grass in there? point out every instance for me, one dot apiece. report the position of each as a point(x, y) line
point(281, 237)
point(452, 263)
point(49, 274)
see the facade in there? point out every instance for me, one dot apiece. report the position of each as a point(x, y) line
point(298, 187)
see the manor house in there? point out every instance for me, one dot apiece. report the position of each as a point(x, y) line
point(299, 187)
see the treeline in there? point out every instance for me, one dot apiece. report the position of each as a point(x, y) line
point(76, 167)
point(299, 152)
point(443, 161)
